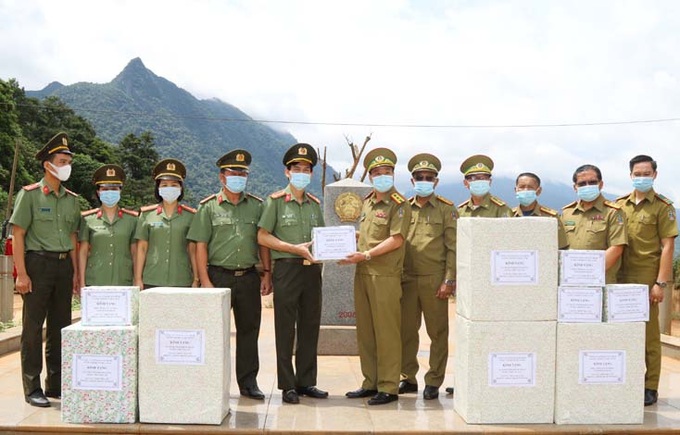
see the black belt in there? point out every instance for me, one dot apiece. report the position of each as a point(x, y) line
point(53, 255)
point(301, 261)
point(235, 272)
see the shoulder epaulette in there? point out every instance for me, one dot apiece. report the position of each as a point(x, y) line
point(371, 193)
point(663, 199)
point(612, 205)
point(32, 186)
point(622, 197)
point(444, 200)
point(130, 212)
point(148, 208)
point(397, 198)
point(70, 192)
point(464, 203)
point(204, 200)
point(548, 210)
point(89, 212)
point(187, 208)
point(499, 202)
point(571, 204)
point(313, 198)
point(255, 197)
point(277, 195)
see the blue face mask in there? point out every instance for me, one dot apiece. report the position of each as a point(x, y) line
point(170, 193)
point(643, 184)
point(588, 193)
point(423, 188)
point(109, 197)
point(480, 187)
point(236, 183)
point(300, 180)
point(526, 197)
point(383, 183)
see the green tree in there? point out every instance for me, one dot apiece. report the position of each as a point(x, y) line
point(138, 156)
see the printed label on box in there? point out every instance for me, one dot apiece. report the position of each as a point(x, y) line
point(602, 367)
point(181, 347)
point(512, 369)
point(580, 304)
point(106, 307)
point(97, 372)
point(514, 267)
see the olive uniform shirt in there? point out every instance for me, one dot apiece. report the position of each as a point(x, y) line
point(110, 260)
point(167, 259)
point(229, 229)
point(431, 240)
point(491, 206)
point(598, 228)
point(543, 211)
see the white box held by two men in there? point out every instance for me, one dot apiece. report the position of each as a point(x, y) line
point(626, 303)
point(579, 304)
point(109, 305)
point(507, 269)
point(582, 268)
point(505, 371)
point(600, 373)
point(99, 374)
point(184, 358)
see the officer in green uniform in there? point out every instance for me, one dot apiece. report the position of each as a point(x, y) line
point(286, 228)
point(651, 225)
point(45, 224)
point(477, 172)
point(593, 223)
point(164, 255)
point(528, 189)
point(107, 234)
point(429, 276)
point(383, 228)
point(225, 232)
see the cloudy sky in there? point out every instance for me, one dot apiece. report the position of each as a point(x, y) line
point(421, 76)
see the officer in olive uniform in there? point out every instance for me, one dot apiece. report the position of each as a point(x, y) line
point(383, 228)
point(528, 189)
point(45, 224)
point(225, 232)
point(652, 229)
point(107, 234)
point(593, 223)
point(164, 255)
point(286, 228)
point(429, 276)
point(477, 172)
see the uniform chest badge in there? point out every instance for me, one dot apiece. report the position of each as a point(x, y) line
point(380, 214)
point(597, 217)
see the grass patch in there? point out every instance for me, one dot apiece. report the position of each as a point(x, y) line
point(75, 303)
point(6, 325)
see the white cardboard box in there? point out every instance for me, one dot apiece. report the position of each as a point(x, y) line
point(504, 371)
point(600, 373)
point(99, 374)
point(109, 305)
point(579, 304)
point(626, 303)
point(507, 269)
point(184, 355)
point(582, 268)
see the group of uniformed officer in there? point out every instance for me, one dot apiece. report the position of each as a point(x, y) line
point(406, 262)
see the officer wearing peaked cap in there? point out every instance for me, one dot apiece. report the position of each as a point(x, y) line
point(225, 232)
point(383, 227)
point(107, 243)
point(477, 178)
point(165, 257)
point(429, 276)
point(45, 220)
point(286, 228)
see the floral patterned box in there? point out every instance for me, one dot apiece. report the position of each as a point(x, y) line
point(109, 305)
point(99, 374)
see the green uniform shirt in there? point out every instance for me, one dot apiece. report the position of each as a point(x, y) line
point(431, 240)
point(378, 221)
point(543, 211)
point(167, 259)
point(110, 259)
point(290, 221)
point(48, 217)
point(490, 207)
point(229, 229)
point(647, 223)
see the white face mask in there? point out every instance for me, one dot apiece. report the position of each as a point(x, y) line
point(170, 193)
point(61, 172)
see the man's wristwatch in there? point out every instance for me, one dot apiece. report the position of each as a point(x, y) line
point(449, 282)
point(661, 284)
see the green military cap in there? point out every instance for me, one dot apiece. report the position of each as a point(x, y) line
point(380, 157)
point(301, 152)
point(169, 169)
point(424, 162)
point(238, 160)
point(477, 164)
point(109, 176)
point(58, 144)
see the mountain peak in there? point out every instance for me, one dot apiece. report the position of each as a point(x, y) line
point(49, 89)
point(134, 68)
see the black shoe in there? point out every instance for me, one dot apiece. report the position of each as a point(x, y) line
point(650, 396)
point(312, 392)
point(37, 398)
point(449, 390)
point(53, 394)
point(361, 392)
point(430, 392)
point(253, 392)
point(407, 387)
point(290, 396)
point(382, 398)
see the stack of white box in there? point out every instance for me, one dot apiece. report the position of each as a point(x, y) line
point(99, 358)
point(184, 360)
point(506, 318)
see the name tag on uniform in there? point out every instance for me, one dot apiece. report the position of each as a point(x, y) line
point(157, 224)
point(45, 209)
